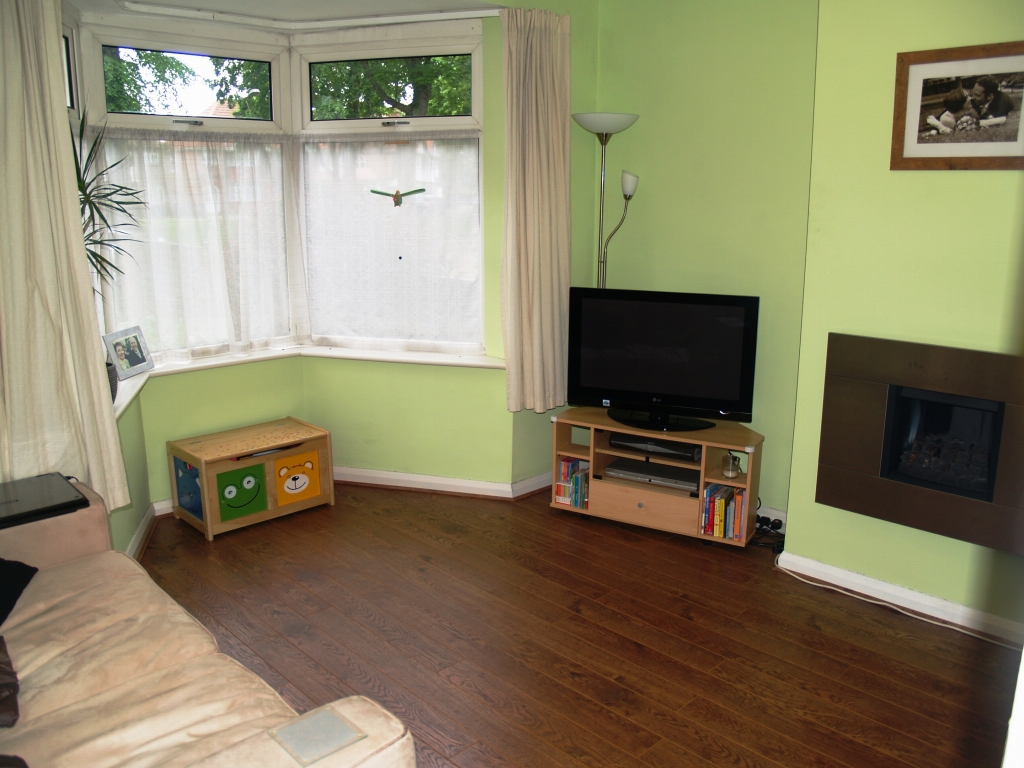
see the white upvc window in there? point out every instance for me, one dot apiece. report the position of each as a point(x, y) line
point(281, 228)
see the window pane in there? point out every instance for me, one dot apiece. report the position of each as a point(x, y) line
point(69, 93)
point(146, 82)
point(420, 86)
point(209, 268)
point(387, 276)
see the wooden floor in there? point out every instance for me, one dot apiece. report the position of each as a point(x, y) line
point(508, 634)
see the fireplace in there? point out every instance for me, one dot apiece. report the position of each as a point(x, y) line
point(942, 441)
point(924, 436)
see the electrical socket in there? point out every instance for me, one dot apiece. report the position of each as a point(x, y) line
point(774, 514)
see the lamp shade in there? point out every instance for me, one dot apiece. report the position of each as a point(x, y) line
point(629, 182)
point(605, 122)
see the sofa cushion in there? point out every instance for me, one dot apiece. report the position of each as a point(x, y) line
point(14, 577)
point(171, 717)
point(388, 743)
point(89, 625)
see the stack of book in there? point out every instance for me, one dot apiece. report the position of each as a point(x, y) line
point(724, 511)
point(571, 487)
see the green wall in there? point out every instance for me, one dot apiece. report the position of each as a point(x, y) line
point(125, 521)
point(925, 256)
point(725, 93)
point(421, 419)
point(198, 402)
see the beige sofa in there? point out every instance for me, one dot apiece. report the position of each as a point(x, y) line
point(113, 672)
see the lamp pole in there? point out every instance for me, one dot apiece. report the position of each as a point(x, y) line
point(603, 125)
point(604, 138)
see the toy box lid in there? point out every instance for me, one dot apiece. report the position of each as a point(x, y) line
point(246, 441)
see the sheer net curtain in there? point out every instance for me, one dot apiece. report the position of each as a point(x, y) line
point(210, 272)
point(55, 411)
point(248, 242)
point(392, 277)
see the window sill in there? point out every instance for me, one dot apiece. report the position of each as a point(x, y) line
point(129, 389)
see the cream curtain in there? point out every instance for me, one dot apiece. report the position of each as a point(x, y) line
point(55, 410)
point(535, 259)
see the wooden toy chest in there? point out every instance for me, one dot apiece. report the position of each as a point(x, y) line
point(227, 480)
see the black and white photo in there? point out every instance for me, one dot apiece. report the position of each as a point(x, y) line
point(959, 108)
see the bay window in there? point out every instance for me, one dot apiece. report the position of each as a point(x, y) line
point(270, 180)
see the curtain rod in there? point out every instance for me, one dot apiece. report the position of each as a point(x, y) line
point(256, 21)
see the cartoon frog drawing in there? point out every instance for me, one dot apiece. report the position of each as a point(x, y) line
point(242, 492)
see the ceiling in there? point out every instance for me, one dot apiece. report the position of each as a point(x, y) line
point(297, 10)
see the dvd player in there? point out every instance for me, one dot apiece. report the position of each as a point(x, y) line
point(657, 474)
point(684, 451)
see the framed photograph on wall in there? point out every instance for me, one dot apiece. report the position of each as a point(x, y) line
point(959, 109)
point(129, 352)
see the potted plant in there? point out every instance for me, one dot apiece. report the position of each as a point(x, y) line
point(106, 213)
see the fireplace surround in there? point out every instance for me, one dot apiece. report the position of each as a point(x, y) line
point(925, 436)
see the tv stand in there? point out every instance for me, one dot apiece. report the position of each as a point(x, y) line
point(654, 506)
point(660, 422)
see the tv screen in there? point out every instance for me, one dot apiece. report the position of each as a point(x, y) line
point(663, 354)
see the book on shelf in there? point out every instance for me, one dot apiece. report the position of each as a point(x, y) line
point(573, 483)
point(723, 510)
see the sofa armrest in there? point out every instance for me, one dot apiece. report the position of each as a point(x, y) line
point(388, 743)
point(56, 540)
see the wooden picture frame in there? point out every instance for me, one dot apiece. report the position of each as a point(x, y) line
point(929, 132)
point(135, 358)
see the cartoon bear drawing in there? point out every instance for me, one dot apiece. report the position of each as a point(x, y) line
point(296, 479)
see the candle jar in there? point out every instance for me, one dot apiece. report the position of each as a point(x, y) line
point(730, 466)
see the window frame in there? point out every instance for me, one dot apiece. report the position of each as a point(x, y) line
point(289, 71)
point(289, 56)
point(71, 57)
point(471, 121)
point(280, 82)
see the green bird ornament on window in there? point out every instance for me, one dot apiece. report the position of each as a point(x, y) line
point(397, 196)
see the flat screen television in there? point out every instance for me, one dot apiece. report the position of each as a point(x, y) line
point(660, 360)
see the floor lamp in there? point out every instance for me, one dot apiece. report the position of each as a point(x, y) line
point(603, 124)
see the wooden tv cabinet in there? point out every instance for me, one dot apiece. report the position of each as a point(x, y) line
point(655, 506)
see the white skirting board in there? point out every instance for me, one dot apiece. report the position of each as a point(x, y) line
point(936, 607)
point(449, 484)
point(155, 510)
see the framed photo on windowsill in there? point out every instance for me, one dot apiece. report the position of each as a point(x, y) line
point(128, 351)
point(959, 109)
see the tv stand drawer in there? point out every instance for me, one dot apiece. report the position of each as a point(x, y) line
point(640, 505)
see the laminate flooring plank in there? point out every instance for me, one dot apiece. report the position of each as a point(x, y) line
point(988, 722)
point(952, 729)
point(468, 562)
point(553, 565)
point(886, 630)
point(495, 584)
point(269, 578)
point(481, 755)
point(428, 758)
point(414, 644)
point(669, 755)
point(311, 678)
point(519, 625)
point(937, 677)
point(532, 550)
point(510, 740)
point(734, 639)
point(739, 700)
point(220, 605)
point(443, 734)
point(535, 717)
point(693, 727)
point(882, 738)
